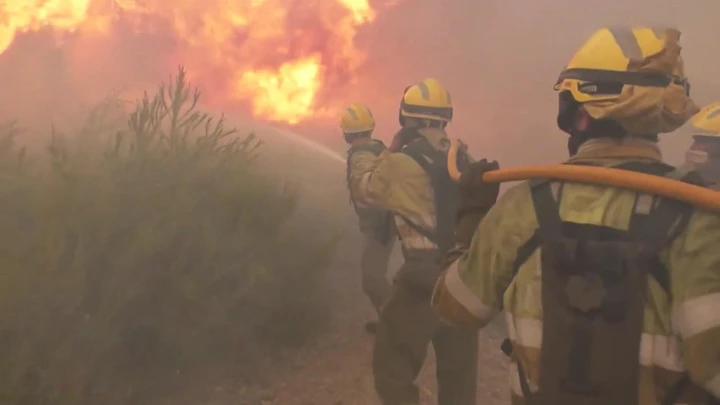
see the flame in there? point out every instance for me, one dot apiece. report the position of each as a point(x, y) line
point(276, 55)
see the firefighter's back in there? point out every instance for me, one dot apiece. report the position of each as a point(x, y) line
point(680, 305)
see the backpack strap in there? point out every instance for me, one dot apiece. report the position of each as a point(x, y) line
point(546, 200)
point(658, 228)
point(545, 195)
point(658, 221)
point(417, 151)
point(445, 192)
point(424, 155)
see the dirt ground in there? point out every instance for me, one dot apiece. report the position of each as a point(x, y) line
point(336, 369)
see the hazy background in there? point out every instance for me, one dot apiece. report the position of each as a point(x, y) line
point(499, 59)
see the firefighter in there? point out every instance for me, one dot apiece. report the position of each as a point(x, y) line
point(704, 153)
point(610, 296)
point(357, 124)
point(412, 181)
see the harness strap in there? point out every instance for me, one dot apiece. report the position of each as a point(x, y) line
point(547, 210)
point(420, 159)
point(655, 222)
point(434, 163)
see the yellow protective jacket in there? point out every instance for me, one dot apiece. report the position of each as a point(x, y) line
point(681, 337)
point(396, 183)
point(361, 158)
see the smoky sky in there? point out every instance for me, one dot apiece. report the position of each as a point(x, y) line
point(499, 60)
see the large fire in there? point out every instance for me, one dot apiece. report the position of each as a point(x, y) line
point(278, 55)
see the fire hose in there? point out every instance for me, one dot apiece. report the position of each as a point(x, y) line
point(695, 195)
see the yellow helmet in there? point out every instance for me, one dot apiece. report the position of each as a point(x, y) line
point(426, 100)
point(707, 121)
point(357, 118)
point(634, 76)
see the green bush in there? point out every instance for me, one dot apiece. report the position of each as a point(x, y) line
point(131, 256)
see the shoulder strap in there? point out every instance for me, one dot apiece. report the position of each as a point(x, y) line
point(544, 195)
point(420, 151)
point(424, 154)
point(547, 209)
point(658, 221)
point(434, 163)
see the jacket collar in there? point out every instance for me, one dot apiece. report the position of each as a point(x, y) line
point(611, 151)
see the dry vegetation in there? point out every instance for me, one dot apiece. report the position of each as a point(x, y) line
point(132, 256)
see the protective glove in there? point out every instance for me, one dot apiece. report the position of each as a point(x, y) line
point(476, 199)
point(402, 138)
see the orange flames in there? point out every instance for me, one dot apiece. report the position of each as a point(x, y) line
point(277, 55)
